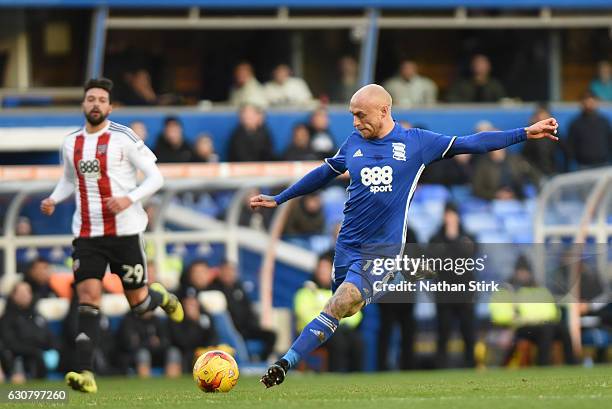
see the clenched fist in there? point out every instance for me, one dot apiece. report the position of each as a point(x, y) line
point(262, 201)
point(117, 204)
point(47, 206)
point(543, 129)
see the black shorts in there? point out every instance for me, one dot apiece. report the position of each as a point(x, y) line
point(124, 254)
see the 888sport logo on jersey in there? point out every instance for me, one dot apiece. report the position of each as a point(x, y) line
point(89, 168)
point(379, 179)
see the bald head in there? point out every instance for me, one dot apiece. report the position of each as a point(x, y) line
point(372, 94)
point(371, 109)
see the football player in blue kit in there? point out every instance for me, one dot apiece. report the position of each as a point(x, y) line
point(384, 162)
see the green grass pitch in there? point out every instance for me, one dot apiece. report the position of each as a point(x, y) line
point(558, 388)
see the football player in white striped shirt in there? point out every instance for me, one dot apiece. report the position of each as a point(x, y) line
point(101, 161)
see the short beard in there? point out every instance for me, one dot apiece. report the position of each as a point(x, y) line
point(95, 121)
point(370, 136)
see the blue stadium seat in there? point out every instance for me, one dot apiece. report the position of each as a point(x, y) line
point(205, 204)
point(473, 205)
point(416, 208)
point(493, 237)
point(505, 207)
point(255, 347)
point(431, 192)
point(333, 200)
point(423, 224)
point(519, 226)
point(525, 237)
point(425, 310)
point(435, 208)
point(320, 243)
point(530, 191)
point(460, 194)
point(480, 222)
point(569, 212)
point(529, 205)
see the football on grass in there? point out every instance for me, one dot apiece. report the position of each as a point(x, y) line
point(215, 371)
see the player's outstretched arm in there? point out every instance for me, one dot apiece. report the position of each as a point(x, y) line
point(313, 180)
point(490, 141)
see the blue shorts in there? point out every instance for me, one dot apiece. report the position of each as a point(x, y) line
point(358, 268)
point(349, 266)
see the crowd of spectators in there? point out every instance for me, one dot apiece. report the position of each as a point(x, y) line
point(408, 86)
point(137, 344)
point(588, 142)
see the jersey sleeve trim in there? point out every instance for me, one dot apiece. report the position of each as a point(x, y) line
point(450, 144)
point(126, 131)
point(334, 169)
point(76, 131)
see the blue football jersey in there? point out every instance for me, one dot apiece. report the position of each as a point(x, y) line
point(383, 177)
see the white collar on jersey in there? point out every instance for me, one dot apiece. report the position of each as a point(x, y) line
point(96, 134)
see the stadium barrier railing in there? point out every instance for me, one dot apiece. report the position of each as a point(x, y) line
point(592, 193)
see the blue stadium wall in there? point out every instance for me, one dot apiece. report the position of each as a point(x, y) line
point(450, 121)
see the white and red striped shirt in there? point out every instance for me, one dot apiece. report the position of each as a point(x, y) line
point(102, 165)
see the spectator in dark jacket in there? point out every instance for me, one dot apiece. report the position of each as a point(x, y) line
point(321, 139)
point(241, 309)
point(300, 148)
point(501, 175)
point(38, 275)
point(590, 135)
point(481, 87)
point(456, 171)
point(452, 242)
point(347, 81)
point(143, 341)
point(25, 334)
point(197, 277)
point(171, 145)
point(136, 88)
point(306, 216)
point(251, 141)
point(204, 149)
point(548, 157)
point(194, 332)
